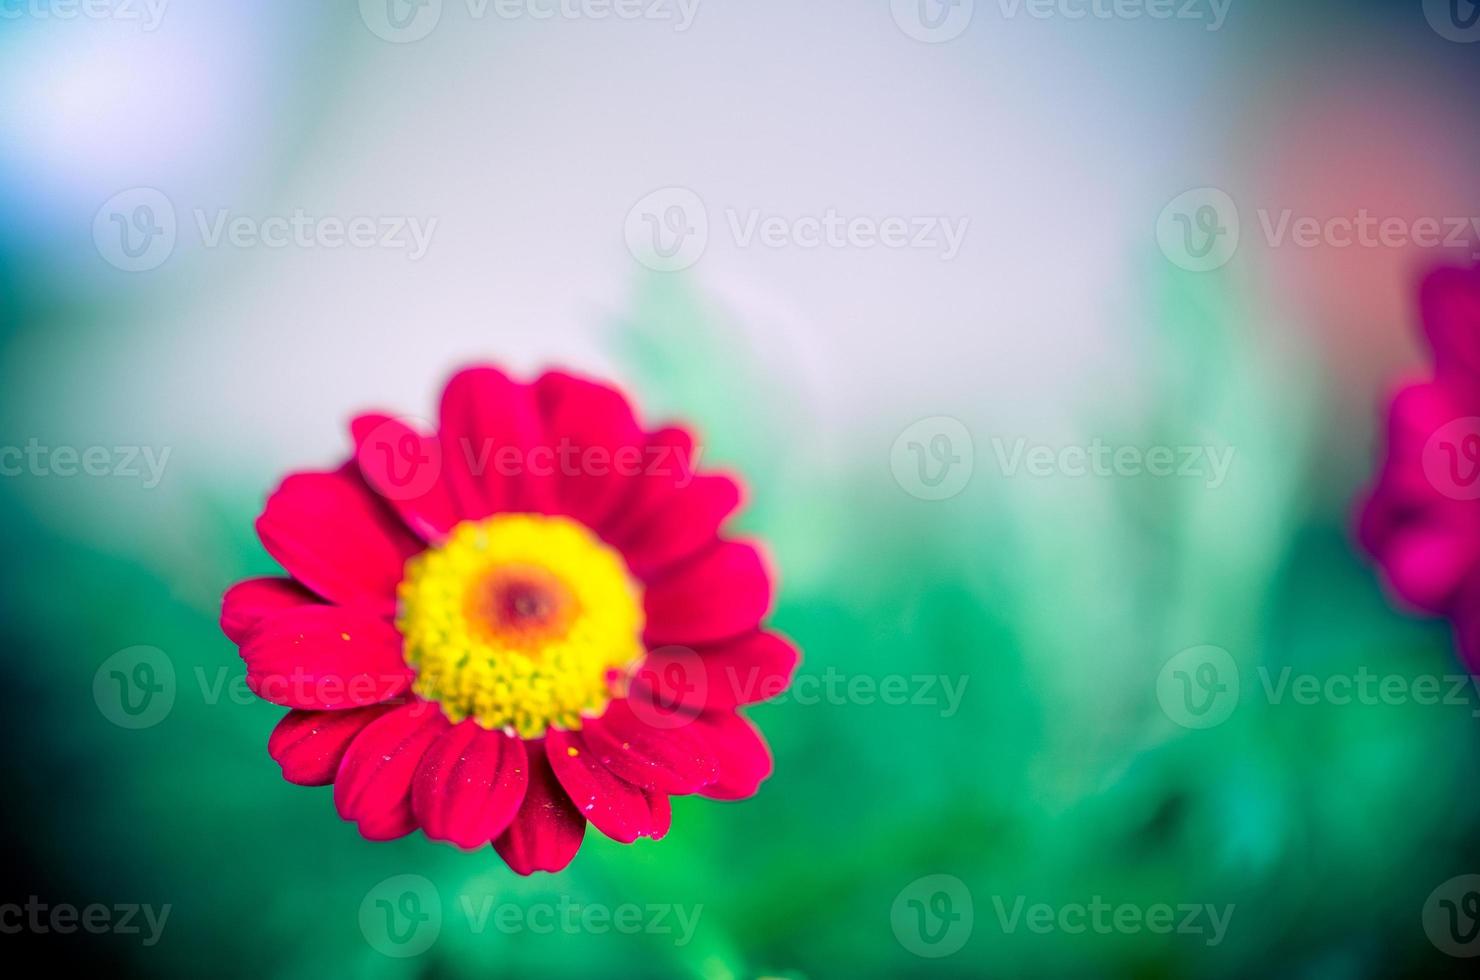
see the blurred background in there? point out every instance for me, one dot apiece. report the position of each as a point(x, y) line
point(1051, 338)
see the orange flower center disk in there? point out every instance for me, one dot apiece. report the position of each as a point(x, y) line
point(520, 622)
point(523, 605)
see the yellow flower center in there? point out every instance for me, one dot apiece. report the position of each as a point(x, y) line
point(521, 622)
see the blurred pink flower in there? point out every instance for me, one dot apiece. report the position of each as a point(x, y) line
point(1421, 520)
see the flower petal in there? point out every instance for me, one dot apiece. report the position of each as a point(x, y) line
point(469, 785)
point(754, 667)
point(405, 468)
point(1417, 413)
point(662, 815)
point(1427, 542)
point(546, 833)
point(598, 443)
point(373, 785)
point(614, 806)
point(310, 744)
point(333, 534)
point(722, 594)
point(664, 759)
point(1428, 563)
point(669, 460)
point(744, 759)
point(248, 603)
point(325, 657)
point(489, 431)
point(1450, 301)
point(688, 523)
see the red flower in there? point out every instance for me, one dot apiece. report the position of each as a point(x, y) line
point(1422, 519)
point(523, 622)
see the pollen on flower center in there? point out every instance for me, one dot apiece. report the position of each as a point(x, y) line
point(520, 621)
point(520, 605)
